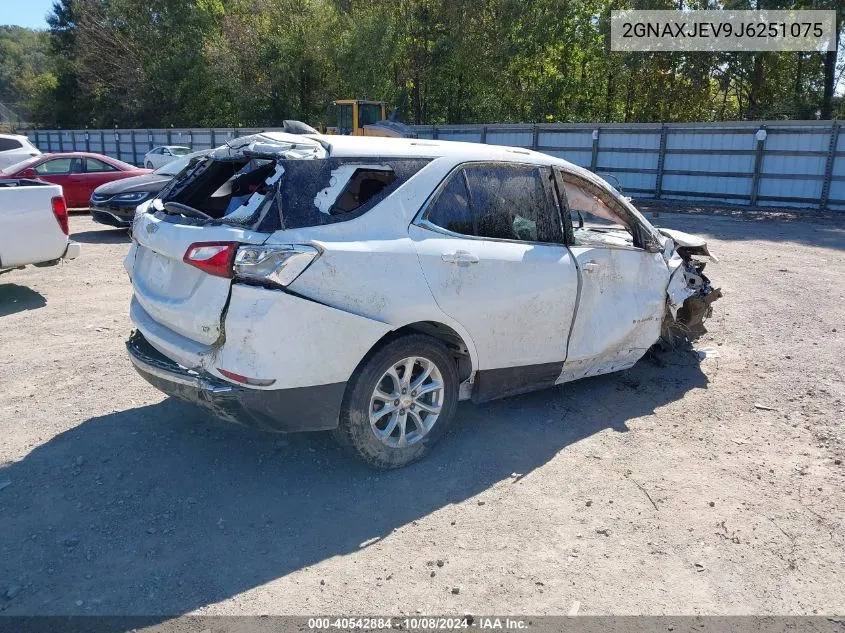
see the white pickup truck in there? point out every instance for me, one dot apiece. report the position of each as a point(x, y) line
point(33, 225)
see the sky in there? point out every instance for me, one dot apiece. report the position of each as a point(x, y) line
point(28, 13)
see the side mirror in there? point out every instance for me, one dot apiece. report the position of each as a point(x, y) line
point(29, 172)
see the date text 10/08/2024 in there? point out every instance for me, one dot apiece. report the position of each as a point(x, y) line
point(424, 623)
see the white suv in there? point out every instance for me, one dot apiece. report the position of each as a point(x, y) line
point(14, 149)
point(367, 284)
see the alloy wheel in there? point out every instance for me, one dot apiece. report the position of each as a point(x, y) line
point(406, 402)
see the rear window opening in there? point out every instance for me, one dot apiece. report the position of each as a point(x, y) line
point(268, 195)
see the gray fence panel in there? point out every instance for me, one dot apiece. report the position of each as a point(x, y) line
point(511, 138)
point(580, 158)
point(710, 162)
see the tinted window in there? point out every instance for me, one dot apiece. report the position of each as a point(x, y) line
point(344, 118)
point(180, 151)
point(9, 143)
point(96, 165)
point(510, 202)
point(58, 166)
point(450, 210)
point(368, 113)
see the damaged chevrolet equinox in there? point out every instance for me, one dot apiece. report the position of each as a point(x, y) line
point(366, 285)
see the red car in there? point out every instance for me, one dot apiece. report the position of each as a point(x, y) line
point(78, 173)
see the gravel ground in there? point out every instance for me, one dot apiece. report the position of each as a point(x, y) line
point(698, 487)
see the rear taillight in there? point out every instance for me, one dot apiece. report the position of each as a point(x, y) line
point(214, 258)
point(60, 211)
point(274, 265)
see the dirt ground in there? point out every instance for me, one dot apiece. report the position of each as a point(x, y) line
point(709, 486)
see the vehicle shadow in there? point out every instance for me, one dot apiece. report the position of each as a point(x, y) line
point(102, 236)
point(15, 298)
point(150, 511)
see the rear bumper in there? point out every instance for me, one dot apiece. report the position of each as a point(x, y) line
point(72, 251)
point(280, 410)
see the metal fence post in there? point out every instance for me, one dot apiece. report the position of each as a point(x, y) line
point(61, 142)
point(134, 149)
point(758, 163)
point(535, 137)
point(117, 142)
point(191, 139)
point(87, 140)
point(213, 137)
point(828, 166)
point(661, 161)
point(484, 134)
point(594, 159)
point(434, 132)
point(103, 141)
point(150, 140)
point(37, 140)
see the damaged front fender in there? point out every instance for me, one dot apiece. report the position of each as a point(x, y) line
point(689, 294)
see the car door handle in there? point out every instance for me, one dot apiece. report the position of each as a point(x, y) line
point(590, 267)
point(459, 257)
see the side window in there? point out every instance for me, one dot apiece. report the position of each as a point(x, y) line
point(55, 167)
point(9, 143)
point(596, 217)
point(450, 210)
point(510, 202)
point(94, 165)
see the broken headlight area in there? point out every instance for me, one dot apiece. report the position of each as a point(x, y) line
point(696, 295)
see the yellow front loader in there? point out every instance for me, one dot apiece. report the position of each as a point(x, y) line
point(358, 117)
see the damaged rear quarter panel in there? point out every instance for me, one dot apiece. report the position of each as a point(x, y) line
point(296, 341)
point(378, 277)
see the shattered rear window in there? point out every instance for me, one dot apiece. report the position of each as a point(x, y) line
point(268, 195)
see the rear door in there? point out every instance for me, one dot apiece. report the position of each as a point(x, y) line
point(491, 248)
point(623, 285)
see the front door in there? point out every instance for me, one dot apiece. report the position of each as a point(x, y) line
point(491, 248)
point(623, 285)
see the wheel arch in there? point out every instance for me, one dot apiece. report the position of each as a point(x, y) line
point(459, 344)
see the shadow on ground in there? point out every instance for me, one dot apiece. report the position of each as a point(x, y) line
point(15, 298)
point(102, 236)
point(151, 511)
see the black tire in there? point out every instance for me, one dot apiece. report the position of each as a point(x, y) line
point(149, 165)
point(354, 432)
